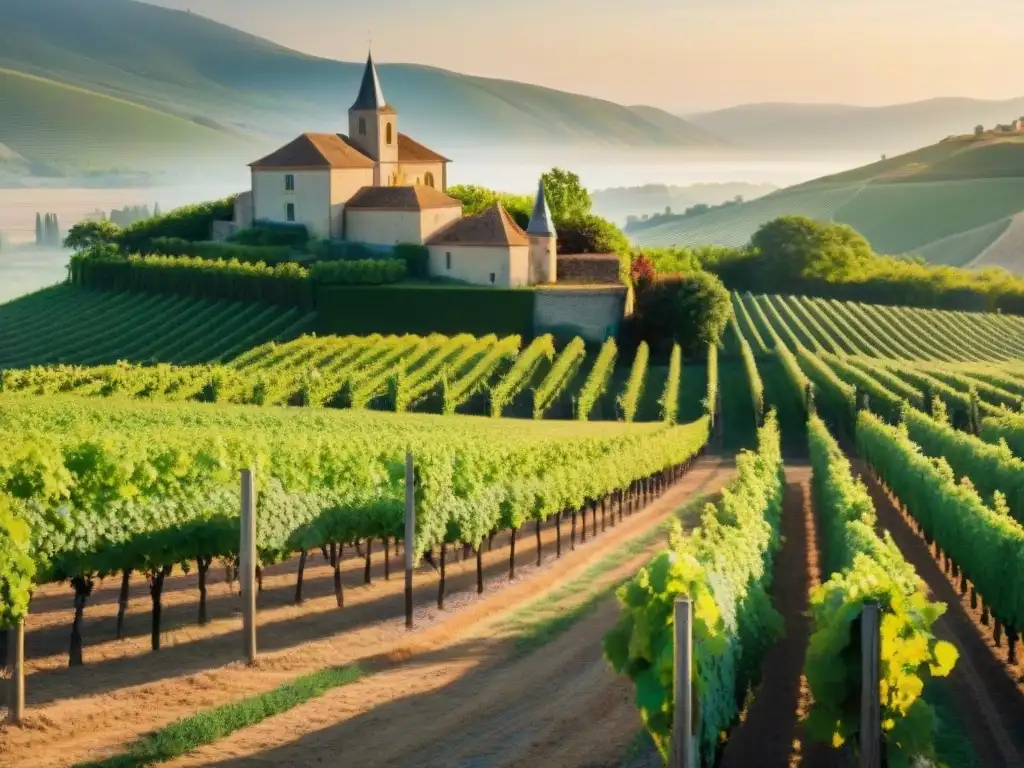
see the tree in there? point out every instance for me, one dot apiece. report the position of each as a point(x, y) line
point(156, 209)
point(800, 247)
point(88, 234)
point(566, 196)
point(39, 229)
point(691, 310)
point(590, 234)
point(56, 232)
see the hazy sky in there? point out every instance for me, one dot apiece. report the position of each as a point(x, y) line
point(680, 54)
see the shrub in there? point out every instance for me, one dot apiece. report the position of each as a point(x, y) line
point(362, 272)
point(273, 233)
point(690, 310)
point(192, 222)
point(416, 258)
point(206, 249)
point(337, 250)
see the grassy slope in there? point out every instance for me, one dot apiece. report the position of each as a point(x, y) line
point(186, 64)
point(915, 203)
point(105, 132)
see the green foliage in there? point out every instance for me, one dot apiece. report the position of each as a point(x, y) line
point(286, 284)
point(111, 485)
point(17, 568)
point(725, 568)
point(802, 247)
point(690, 310)
point(192, 222)
point(89, 234)
point(566, 196)
point(562, 372)
point(538, 354)
point(416, 258)
point(750, 367)
point(271, 255)
point(629, 400)
point(867, 569)
point(460, 389)
point(424, 309)
point(475, 199)
point(267, 233)
point(597, 381)
point(987, 544)
point(710, 402)
point(669, 400)
point(362, 272)
point(590, 234)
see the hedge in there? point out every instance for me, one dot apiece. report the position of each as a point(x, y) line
point(206, 249)
point(424, 309)
point(192, 222)
point(361, 272)
point(285, 284)
point(269, 233)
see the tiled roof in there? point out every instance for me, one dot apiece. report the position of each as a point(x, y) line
point(371, 96)
point(493, 226)
point(411, 151)
point(315, 150)
point(416, 198)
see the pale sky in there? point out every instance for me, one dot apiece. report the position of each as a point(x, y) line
point(676, 54)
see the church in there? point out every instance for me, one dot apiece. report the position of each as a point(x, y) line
point(380, 187)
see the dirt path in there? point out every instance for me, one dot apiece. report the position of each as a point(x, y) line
point(91, 711)
point(989, 694)
point(770, 733)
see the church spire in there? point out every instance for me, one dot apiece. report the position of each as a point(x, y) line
point(370, 97)
point(540, 221)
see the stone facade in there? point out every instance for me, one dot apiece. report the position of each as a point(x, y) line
point(594, 314)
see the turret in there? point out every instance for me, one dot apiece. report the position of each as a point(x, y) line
point(543, 241)
point(372, 125)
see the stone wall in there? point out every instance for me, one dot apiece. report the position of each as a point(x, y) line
point(589, 269)
point(594, 314)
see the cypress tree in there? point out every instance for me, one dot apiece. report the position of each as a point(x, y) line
point(39, 229)
point(56, 232)
point(156, 209)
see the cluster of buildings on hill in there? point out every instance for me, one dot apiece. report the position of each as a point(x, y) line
point(1017, 126)
point(379, 187)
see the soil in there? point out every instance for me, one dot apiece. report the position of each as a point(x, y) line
point(770, 733)
point(125, 691)
point(988, 692)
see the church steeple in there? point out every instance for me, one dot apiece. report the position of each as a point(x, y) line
point(371, 96)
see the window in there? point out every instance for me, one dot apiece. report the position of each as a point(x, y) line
point(428, 179)
point(289, 182)
point(362, 126)
point(492, 278)
point(388, 133)
point(448, 261)
point(289, 214)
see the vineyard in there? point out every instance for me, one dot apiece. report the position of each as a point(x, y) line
point(880, 472)
point(429, 374)
point(97, 328)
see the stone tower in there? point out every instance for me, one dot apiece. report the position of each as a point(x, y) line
point(373, 127)
point(543, 241)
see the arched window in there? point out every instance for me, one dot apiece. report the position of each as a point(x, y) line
point(428, 179)
point(362, 126)
point(388, 133)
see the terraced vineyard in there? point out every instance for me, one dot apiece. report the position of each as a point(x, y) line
point(68, 325)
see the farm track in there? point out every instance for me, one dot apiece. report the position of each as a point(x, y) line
point(770, 733)
point(988, 693)
point(125, 691)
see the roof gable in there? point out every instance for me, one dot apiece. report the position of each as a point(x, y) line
point(411, 151)
point(491, 227)
point(315, 150)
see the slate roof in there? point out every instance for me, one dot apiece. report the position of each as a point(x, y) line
point(491, 227)
point(541, 222)
point(408, 198)
point(371, 95)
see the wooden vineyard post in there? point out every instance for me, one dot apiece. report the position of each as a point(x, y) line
point(682, 733)
point(247, 565)
point(16, 697)
point(870, 703)
point(410, 534)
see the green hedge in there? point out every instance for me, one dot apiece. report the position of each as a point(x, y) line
point(425, 309)
point(286, 284)
point(206, 249)
point(269, 233)
point(361, 272)
point(192, 222)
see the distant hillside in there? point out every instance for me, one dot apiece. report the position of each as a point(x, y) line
point(211, 75)
point(890, 129)
point(619, 203)
point(949, 203)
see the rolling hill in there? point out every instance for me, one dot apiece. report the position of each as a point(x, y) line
point(892, 129)
point(189, 72)
point(950, 203)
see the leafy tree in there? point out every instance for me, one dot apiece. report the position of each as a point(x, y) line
point(798, 246)
point(567, 197)
point(88, 234)
point(691, 310)
point(590, 234)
